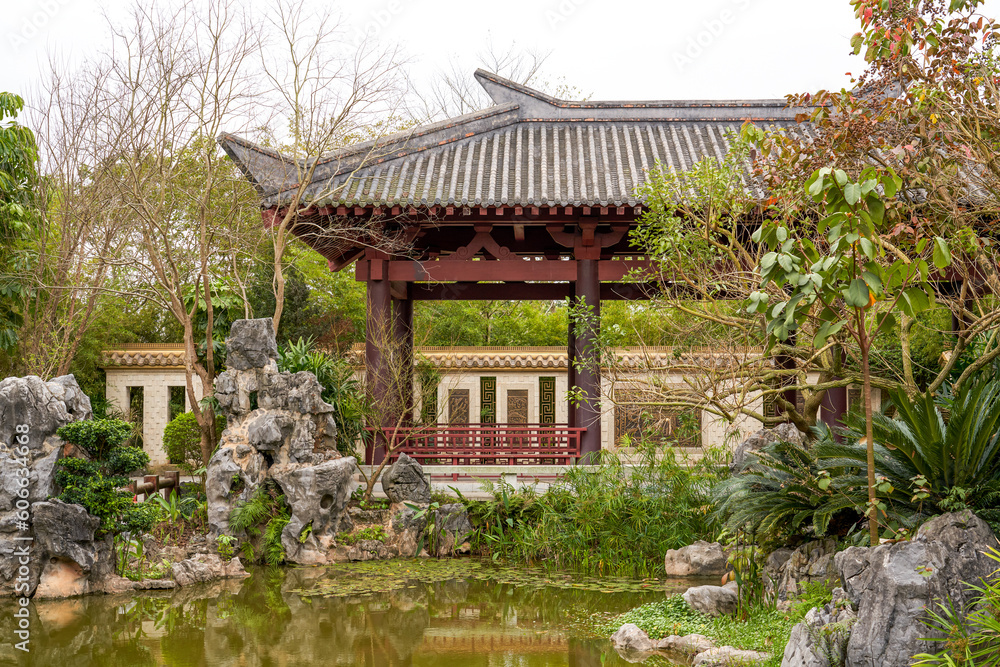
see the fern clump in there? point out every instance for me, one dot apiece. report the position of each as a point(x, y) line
point(261, 519)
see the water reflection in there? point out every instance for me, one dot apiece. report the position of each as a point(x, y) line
point(262, 622)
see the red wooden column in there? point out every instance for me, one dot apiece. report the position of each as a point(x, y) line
point(402, 320)
point(587, 352)
point(378, 333)
point(571, 355)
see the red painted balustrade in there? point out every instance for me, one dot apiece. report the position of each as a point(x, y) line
point(489, 444)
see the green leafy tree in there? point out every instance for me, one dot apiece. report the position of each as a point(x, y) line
point(18, 177)
point(844, 284)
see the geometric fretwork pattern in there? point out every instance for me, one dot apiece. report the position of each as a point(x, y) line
point(488, 400)
point(547, 400)
point(517, 406)
point(678, 427)
point(458, 406)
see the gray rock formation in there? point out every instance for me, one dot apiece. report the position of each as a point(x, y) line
point(318, 496)
point(712, 600)
point(892, 584)
point(251, 344)
point(65, 558)
point(761, 439)
point(820, 640)
point(41, 405)
point(407, 527)
point(206, 567)
point(404, 481)
point(688, 645)
point(72, 561)
point(278, 428)
point(630, 638)
point(787, 571)
point(698, 559)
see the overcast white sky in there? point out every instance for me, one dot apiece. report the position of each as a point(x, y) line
point(610, 49)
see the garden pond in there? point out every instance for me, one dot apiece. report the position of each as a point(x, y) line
point(377, 614)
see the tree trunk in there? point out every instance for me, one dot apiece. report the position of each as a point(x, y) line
point(869, 438)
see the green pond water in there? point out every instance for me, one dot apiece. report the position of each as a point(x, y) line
point(453, 612)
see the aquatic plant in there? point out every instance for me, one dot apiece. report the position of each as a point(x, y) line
point(616, 517)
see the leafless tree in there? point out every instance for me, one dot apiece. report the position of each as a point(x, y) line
point(455, 92)
point(173, 80)
point(330, 94)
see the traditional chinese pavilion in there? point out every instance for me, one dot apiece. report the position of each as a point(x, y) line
point(532, 198)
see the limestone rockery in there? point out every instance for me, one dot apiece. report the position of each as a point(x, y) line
point(278, 428)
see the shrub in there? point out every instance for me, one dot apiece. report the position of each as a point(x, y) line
point(98, 484)
point(340, 389)
point(940, 453)
point(182, 439)
point(785, 494)
point(97, 437)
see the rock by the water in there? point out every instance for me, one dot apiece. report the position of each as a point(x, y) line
point(822, 635)
point(206, 567)
point(761, 439)
point(893, 584)
point(630, 638)
point(692, 644)
point(406, 529)
point(318, 496)
point(787, 572)
point(727, 656)
point(698, 559)
point(404, 481)
point(278, 428)
point(65, 557)
point(712, 600)
point(73, 562)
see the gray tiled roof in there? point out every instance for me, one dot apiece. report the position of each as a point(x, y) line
point(528, 150)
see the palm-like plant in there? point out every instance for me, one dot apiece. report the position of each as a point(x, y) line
point(936, 443)
point(785, 490)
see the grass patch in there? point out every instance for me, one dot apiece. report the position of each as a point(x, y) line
point(766, 629)
point(376, 533)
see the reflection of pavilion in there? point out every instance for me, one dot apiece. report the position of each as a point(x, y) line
point(477, 639)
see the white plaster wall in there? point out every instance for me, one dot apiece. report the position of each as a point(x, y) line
point(156, 396)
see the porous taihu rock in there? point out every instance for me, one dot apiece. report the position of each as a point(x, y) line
point(278, 428)
point(318, 497)
point(66, 558)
